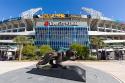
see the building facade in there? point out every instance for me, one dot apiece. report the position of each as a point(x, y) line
point(62, 30)
point(61, 34)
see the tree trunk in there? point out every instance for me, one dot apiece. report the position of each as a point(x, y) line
point(20, 52)
point(90, 50)
point(97, 53)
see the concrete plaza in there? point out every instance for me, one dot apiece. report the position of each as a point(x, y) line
point(96, 72)
point(115, 68)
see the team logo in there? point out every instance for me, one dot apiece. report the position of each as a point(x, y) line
point(46, 23)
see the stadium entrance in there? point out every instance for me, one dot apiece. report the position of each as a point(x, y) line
point(61, 34)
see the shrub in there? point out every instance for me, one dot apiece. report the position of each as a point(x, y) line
point(92, 58)
point(45, 49)
point(29, 52)
point(82, 51)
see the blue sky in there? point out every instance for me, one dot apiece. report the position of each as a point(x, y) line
point(110, 8)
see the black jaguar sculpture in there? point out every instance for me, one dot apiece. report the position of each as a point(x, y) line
point(55, 58)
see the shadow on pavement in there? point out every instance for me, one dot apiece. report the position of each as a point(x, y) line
point(73, 73)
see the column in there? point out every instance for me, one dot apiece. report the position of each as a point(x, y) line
point(6, 27)
point(104, 27)
point(23, 20)
point(74, 39)
point(33, 24)
point(18, 27)
point(98, 25)
point(111, 27)
point(11, 27)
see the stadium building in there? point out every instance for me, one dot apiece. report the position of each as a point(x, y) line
point(62, 30)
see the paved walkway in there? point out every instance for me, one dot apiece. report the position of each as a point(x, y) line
point(32, 75)
point(93, 74)
point(115, 68)
point(6, 66)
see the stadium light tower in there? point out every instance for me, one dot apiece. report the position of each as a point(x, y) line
point(29, 13)
point(92, 12)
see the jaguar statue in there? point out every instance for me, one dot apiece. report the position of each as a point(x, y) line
point(55, 58)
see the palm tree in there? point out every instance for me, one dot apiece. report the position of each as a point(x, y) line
point(21, 41)
point(98, 43)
